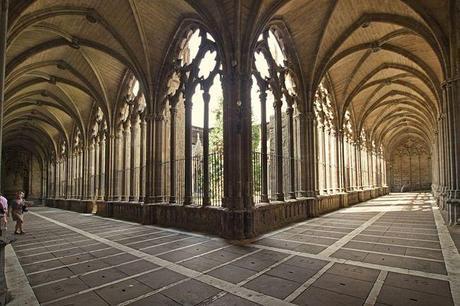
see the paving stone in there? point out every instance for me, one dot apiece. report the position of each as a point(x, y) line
point(310, 248)
point(88, 266)
point(292, 273)
point(119, 259)
point(190, 292)
point(344, 285)
point(105, 252)
point(102, 277)
point(231, 300)
point(307, 263)
point(60, 289)
point(137, 267)
point(48, 276)
point(222, 256)
point(201, 264)
point(88, 298)
point(256, 262)
point(281, 244)
point(160, 278)
point(424, 253)
point(76, 258)
point(232, 274)
point(417, 283)
point(404, 297)
point(35, 258)
point(355, 272)
point(42, 266)
point(316, 296)
point(156, 299)
point(272, 286)
point(122, 291)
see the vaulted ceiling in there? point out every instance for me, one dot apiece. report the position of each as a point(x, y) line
point(384, 60)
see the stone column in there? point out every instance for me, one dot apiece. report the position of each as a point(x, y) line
point(263, 140)
point(125, 180)
point(188, 149)
point(205, 183)
point(133, 160)
point(3, 38)
point(143, 126)
point(96, 167)
point(172, 154)
point(118, 163)
point(290, 112)
point(157, 122)
point(340, 161)
point(279, 148)
point(102, 163)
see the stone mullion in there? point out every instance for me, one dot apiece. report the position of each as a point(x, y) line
point(172, 154)
point(188, 150)
point(143, 126)
point(205, 183)
point(263, 147)
point(279, 148)
point(290, 113)
point(133, 159)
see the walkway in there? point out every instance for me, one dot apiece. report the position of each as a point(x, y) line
point(393, 250)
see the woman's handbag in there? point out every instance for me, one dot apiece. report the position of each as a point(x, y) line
point(25, 208)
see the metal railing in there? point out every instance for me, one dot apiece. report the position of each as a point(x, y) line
point(258, 195)
point(173, 190)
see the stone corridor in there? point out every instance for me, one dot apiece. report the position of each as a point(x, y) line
point(394, 250)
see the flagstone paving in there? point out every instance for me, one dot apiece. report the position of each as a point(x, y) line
point(394, 250)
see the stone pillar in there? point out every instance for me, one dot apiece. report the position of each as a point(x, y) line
point(133, 159)
point(205, 183)
point(279, 148)
point(188, 149)
point(3, 39)
point(125, 180)
point(172, 154)
point(118, 163)
point(102, 163)
point(96, 168)
point(290, 112)
point(157, 123)
point(340, 161)
point(143, 126)
point(263, 138)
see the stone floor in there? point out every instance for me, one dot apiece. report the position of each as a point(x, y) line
point(394, 250)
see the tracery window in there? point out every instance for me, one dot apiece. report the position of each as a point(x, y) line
point(274, 96)
point(327, 141)
point(193, 120)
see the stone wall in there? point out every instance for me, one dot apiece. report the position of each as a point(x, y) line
point(410, 167)
point(220, 221)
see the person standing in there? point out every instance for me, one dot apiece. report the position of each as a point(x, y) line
point(3, 212)
point(17, 212)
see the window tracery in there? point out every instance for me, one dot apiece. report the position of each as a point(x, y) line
point(275, 167)
point(192, 99)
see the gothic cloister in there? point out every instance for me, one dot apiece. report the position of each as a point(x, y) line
point(232, 152)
